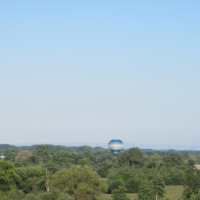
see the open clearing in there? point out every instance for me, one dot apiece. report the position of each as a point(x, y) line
point(172, 193)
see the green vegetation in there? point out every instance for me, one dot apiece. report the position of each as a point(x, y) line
point(48, 172)
point(172, 193)
point(120, 193)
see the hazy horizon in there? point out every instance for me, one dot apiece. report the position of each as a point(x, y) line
point(90, 71)
point(105, 145)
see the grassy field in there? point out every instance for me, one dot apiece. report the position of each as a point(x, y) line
point(172, 193)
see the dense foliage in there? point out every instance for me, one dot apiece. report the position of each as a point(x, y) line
point(41, 172)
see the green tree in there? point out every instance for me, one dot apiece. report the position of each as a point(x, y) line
point(33, 178)
point(8, 177)
point(132, 156)
point(135, 156)
point(84, 161)
point(61, 158)
point(115, 184)
point(198, 159)
point(85, 149)
point(146, 191)
point(120, 193)
point(151, 164)
point(195, 197)
point(11, 156)
point(192, 161)
point(43, 152)
point(173, 159)
point(124, 158)
point(77, 179)
point(30, 196)
point(23, 155)
point(192, 186)
point(159, 187)
point(84, 192)
point(12, 194)
point(52, 195)
point(103, 169)
point(133, 184)
point(65, 197)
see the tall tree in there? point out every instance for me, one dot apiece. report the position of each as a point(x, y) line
point(132, 156)
point(159, 187)
point(43, 152)
point(135, 156)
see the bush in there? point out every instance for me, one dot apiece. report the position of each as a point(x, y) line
point(65, 197)
point(17, 164)
point(53, 195)
point(76, 181)
point(120, 193)
point(151, 165)
point(133, 185)
point(31, 197)
point(13, 194)
point(115, 185)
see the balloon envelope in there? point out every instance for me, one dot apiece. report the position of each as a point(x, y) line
point(115, 146)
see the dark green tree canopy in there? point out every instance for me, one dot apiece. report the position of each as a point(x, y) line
point(173, 159)
point(132, 156)
point(120, 193)
point(8, 177)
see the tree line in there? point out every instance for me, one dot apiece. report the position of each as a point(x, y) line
point(42, 172)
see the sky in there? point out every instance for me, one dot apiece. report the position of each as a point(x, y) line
point(92, 71)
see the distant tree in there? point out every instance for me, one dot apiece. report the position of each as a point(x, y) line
point(17, 164)
point(11, 156)
point(84, 149)
point(84, 161)
point(198, 159)
point(151, 164)
point(23, 155)
point(43, 152)
point(120, 193)
point(124, 158)
point(173, 159)
point(8, 146)
point(132, 156)
point(135, 156)
point(103, 169)
point(155, 157)
point(54, 148)
point(192, 161)
point(61, 157)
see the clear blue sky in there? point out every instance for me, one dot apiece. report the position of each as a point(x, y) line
point(91, 71)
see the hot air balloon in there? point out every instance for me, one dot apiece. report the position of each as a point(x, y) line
point(115, 146)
